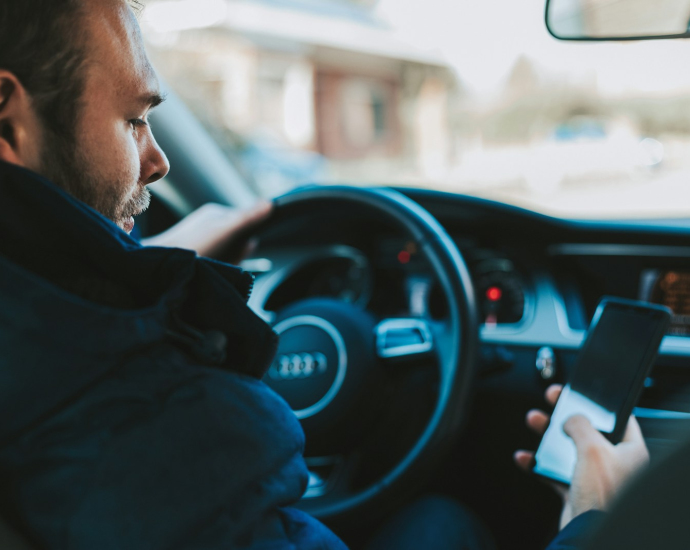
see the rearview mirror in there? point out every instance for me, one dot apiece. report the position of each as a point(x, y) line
point(618, 19)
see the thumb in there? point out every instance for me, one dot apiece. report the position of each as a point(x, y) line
point(583, 434)
point(257, 213)
point(633, 433)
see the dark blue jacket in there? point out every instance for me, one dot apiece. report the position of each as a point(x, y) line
point(578, 532)
point(133, 416)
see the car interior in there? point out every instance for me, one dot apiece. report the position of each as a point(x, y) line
point(452, 312)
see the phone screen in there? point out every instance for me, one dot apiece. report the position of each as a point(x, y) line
point(608, 376)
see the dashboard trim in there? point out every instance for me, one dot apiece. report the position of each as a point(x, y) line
point(595, 249)
point(660, 414)
point(528, 313)
point(550, 327)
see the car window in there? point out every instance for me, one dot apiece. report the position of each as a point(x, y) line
point(463, 96)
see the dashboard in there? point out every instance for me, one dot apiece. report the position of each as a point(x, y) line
point(395, 280)
point(671, 288)
point(536, 279)
point(537, 282)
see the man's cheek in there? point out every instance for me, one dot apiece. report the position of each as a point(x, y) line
point(129, 165)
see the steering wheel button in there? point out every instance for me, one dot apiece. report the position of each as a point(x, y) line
point(400, 337)
point(403, 337)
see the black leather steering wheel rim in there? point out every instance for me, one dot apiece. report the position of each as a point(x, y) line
point(457, 370)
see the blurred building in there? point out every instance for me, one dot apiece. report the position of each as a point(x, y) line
point(324, 77)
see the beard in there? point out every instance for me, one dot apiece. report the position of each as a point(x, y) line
point(112, 197)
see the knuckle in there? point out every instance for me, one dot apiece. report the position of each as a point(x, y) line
point(594, 454)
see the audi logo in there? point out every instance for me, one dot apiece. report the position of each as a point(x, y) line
point(298, 365)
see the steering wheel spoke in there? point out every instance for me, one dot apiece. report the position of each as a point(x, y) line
point(327, 475)
point(403, 338)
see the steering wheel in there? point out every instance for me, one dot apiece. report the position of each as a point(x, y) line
point(330, 351)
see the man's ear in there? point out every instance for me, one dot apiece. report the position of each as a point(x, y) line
point(19, 128)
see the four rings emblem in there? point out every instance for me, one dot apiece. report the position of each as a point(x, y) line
point(298, 365)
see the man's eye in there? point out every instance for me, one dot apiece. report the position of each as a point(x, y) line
point(138, 122)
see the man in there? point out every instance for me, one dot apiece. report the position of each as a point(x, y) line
point(133, 415)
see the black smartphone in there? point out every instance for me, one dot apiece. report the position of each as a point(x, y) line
point(608, 377)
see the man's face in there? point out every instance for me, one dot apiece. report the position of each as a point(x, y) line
point(114, 154)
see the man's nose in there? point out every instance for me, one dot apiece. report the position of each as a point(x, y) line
point(155, 164)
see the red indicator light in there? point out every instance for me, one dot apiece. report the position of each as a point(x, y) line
point(494, 293)
point(404, 257)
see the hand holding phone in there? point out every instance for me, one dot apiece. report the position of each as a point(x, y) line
point(606, 383)
point(602, 468)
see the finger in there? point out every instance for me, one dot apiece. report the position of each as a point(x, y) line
point(537, 421)
point(524, 459)
point(249, 248)
point(633, 433)
point(237, 221)
point(561, 490)
point(234, 238)
point(583, 434)
point(257, 213)
point(553, 392)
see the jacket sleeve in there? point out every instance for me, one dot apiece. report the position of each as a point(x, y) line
point(166, 456)
point(290, 529)
point(576, 534)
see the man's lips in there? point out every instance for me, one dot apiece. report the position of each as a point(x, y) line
point(128, 224)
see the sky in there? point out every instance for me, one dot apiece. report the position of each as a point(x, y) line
point(482, 39)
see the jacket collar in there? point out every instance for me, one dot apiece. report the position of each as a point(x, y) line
point(79, 292)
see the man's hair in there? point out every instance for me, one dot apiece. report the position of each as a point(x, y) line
point(43, 44)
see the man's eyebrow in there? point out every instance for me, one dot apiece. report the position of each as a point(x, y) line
point(153, 99)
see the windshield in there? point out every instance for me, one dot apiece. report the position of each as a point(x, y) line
point(460, 96)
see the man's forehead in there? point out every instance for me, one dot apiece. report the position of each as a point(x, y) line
point(147, 89)
point(117, 49)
